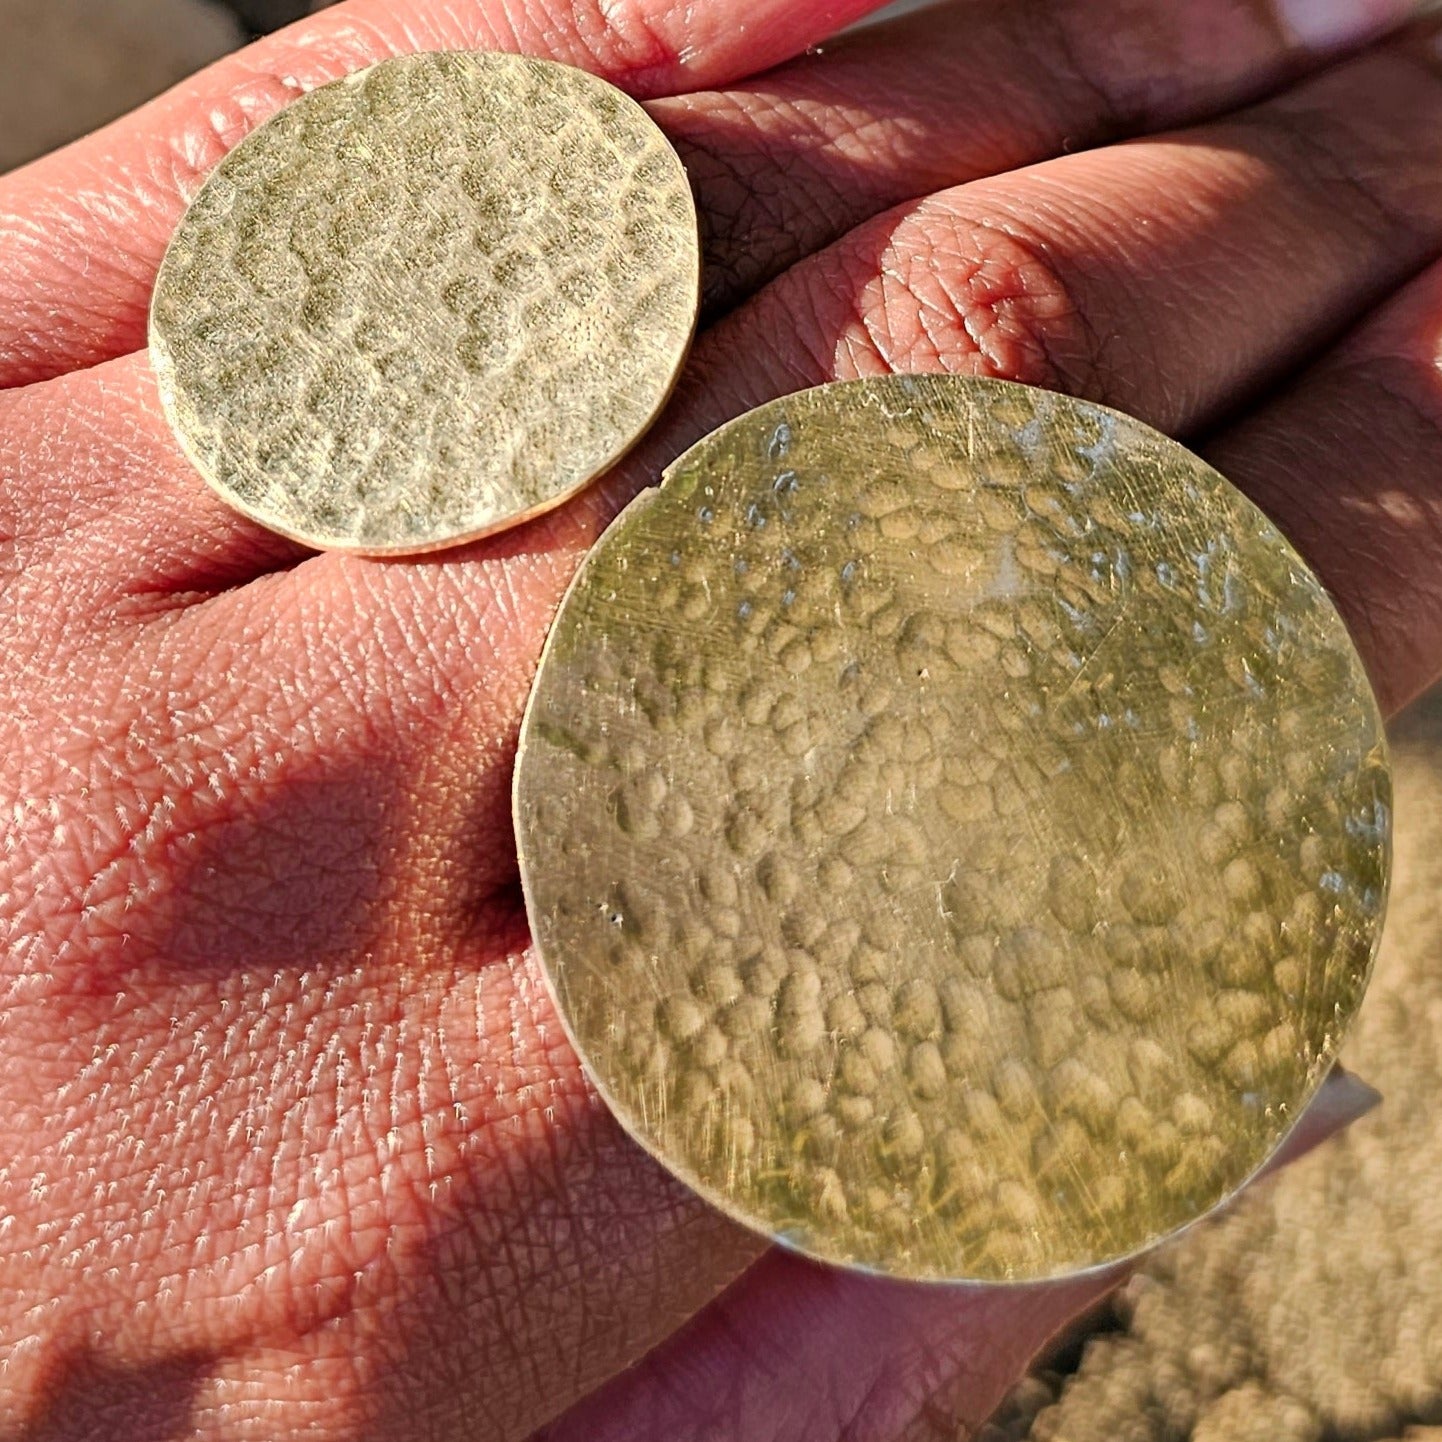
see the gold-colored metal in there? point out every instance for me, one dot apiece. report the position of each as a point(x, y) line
point(955, 824)
point(428, 301)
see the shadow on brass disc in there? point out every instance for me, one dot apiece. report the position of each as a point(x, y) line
point(955, 824)
point(428, 301)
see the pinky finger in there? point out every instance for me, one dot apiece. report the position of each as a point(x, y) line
point(1348, 462)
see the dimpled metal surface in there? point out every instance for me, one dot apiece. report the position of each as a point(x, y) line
point(428, 301)
point(955, 825)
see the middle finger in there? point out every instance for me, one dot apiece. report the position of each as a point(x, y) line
point(782, 165)
point(793, 160)
point(1166, 277)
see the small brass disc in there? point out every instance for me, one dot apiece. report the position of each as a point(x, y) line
point(428, 301)
point(955, 824)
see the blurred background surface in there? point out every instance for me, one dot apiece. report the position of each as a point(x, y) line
point(1312, 1310)
point(67, 66)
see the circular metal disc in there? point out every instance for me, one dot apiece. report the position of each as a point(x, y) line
point(955, 825)
point(428, 301)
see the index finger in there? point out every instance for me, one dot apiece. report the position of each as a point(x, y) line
point(105, 207)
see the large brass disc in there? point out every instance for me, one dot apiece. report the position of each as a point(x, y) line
point(955, 824)
point(428, 301)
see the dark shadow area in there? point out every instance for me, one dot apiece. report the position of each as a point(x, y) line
point(90, 1400)
point(234, 906)
point(261, 16)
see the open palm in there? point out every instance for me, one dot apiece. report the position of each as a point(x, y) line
point(291, 1142)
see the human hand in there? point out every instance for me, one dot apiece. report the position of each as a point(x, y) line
point(291, 1138)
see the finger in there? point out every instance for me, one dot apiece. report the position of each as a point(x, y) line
point(794, 1352)
point(797, 158)
point(92, 472)
point(973, 299)
point(82, 231)
point(1344, 1098)
point(1044, 276)
point(1168, 277)
point(797, 1352)
point(1088, 301)
point(1348, 460)
point(468, 628)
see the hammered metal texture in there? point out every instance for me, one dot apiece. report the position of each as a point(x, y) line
point(428, 301)
point(955, 825)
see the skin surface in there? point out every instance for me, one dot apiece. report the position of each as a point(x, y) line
point(291, 1144)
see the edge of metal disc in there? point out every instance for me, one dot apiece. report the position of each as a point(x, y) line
point(904, 384)
point(163, 369)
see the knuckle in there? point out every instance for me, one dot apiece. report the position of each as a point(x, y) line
point(625, 41)
point(950, 292)
point(210, 132)
point(1099, 66)
point(765, 198)
point(1307, 149)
